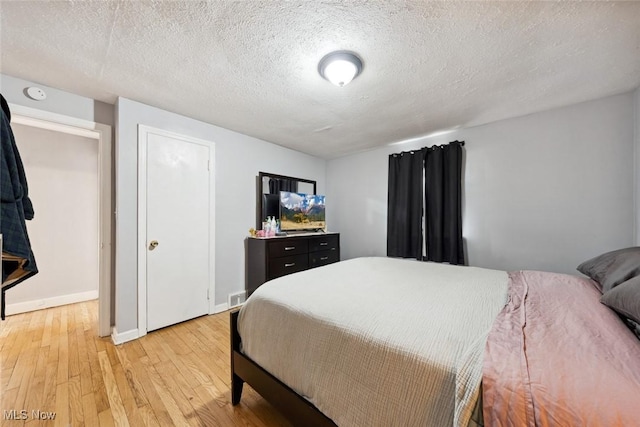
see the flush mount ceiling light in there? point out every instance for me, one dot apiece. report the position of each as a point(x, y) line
point(340, 67)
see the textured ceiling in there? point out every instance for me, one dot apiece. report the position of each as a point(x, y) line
point(251, 66)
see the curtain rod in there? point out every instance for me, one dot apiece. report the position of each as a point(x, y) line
point(452, 142)
point(427, 148)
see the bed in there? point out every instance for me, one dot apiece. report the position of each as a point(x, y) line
point(384, 341)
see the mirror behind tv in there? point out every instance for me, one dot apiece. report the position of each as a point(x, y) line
point(268, 188)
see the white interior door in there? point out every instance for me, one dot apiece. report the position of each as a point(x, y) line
point(177, 232)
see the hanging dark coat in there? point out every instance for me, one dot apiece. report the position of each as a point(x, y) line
point(18, 262)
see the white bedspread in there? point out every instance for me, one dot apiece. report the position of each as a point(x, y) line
point(377, 341)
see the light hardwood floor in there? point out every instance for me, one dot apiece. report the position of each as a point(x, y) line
point(53, 361)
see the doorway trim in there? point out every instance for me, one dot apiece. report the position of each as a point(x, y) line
point(71, 125)
point(143, 132)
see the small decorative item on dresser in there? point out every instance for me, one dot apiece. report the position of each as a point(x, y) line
point(252, 232)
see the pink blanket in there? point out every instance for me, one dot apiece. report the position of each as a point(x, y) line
point(557, 357)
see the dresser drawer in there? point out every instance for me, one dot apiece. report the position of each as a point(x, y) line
point(324, 243)
point(268, 259)
point(287, 247)
point(287, 265)
point(316, 259)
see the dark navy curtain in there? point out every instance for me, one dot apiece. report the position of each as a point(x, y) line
point(404, 205)
point(276, 185)
point(443, 202)
point(430, 177)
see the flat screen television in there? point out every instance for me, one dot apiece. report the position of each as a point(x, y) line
point(301, 212)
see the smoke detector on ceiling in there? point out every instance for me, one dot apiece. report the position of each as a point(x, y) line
point(36, 93)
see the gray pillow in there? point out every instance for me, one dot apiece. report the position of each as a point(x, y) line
point(625, 299)
point(612, 268)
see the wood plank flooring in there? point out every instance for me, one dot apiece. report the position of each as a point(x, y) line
point(52, 361)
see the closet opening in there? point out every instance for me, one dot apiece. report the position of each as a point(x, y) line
point(68, 167)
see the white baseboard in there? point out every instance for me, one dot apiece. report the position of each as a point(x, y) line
point(39, 304)
point(219, 308)
point(236, 306)
point(122, 337)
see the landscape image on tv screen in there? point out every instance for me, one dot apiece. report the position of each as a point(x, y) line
point(301, 211)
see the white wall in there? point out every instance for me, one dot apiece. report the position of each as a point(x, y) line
point(239, 158)
point(544, 191)
point(62, 172)
point(58, 101)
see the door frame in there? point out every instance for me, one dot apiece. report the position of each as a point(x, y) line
point(143, 133)
point(33, 117)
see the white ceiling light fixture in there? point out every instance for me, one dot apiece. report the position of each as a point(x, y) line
point(340, 67)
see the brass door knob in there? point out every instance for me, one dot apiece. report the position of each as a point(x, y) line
point(153, 245)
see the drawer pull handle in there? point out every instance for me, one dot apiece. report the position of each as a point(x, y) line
point(291, 264)
point(324, 258)
point(324, 243)
point(289, 248)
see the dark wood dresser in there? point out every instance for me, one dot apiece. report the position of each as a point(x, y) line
point(268, 258)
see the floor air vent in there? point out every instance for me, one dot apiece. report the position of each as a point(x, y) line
point(237, 299)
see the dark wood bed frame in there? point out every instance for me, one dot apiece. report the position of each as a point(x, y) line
point(294, 407)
